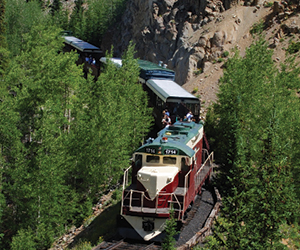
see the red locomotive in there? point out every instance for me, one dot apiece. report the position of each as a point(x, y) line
point(167, 172)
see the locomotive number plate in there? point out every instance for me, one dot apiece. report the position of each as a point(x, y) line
point(170, 152)
point(150, 150)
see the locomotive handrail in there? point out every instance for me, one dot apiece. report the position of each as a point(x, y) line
point(210, 158)
point(125, 177)
point(130, 198)
point(131, 192)
point(185, 179)
point(125, 183)
point(178, 205)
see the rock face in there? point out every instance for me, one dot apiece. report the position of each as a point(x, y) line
point(187, 34)
point(162, 31)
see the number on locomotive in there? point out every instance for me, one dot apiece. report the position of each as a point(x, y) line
point(170, 152)
point(150, 150)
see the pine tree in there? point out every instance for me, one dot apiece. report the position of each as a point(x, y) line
point(170, 229)
point(4, 55)
point(43, 82)
point(20, 17)
point(257, 150)
point(113, 119)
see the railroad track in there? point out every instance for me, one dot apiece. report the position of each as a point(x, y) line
point(126, 245)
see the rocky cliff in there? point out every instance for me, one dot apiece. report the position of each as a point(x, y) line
point(175, 32)
point(188, 35)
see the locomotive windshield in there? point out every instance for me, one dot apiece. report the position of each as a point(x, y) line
point(152, 159)
point(169, 160)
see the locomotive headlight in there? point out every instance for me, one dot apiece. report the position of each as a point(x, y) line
point(169, 180)
point(139, 176)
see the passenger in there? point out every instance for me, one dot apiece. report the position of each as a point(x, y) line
point(166, 121)
point(189, 116)
point(167, 112)
point(175, 109)
point(90, 59)
point(86, 59)
point(94, 62)
point(169, 121)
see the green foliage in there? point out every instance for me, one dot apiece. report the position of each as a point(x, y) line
point(198, 72)
point(257, 150)
point(117, 194)
point(170, 229)
point(268, 4)
point(91, 24)
point(293, 47)
point(225, 54)
point(195, 90)
point(2, 22)
point(291, 235)
point(43, 82)
point(4, 54)
point(83, 245)
point(113, 119)
point(21, 17)
point(257, 28)
point(4, 60)
point(25, 239)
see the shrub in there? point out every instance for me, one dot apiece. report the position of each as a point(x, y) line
point(195, 90)
point(169, 240)
point(117, 194)
point(268, 4)
point(225, 53)
point(257, 28)
point(198, 72)
point(293, 47)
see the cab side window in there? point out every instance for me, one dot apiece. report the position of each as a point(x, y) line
point(184, 165)
point(138, 161)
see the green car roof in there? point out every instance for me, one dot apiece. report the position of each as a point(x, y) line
point(146, 65)
point(173, 140)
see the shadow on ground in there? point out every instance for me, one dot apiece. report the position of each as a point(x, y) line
point(104, 226)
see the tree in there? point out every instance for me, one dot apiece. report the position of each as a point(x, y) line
point(111, 120)
point(91, 23)
point(170, 229)
point(4, 55)
point(20, 18)
point(257, 150)
point(43, 82)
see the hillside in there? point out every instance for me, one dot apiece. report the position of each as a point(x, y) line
point(191, 37)
point(278, 34)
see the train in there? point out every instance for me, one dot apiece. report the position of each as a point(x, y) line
point(167, 173)
point(88, 54)
point(163, 92)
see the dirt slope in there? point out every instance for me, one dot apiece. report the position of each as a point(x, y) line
point(207, 83)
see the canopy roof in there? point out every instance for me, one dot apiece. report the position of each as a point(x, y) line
point(170, 91)
point(81, 45)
